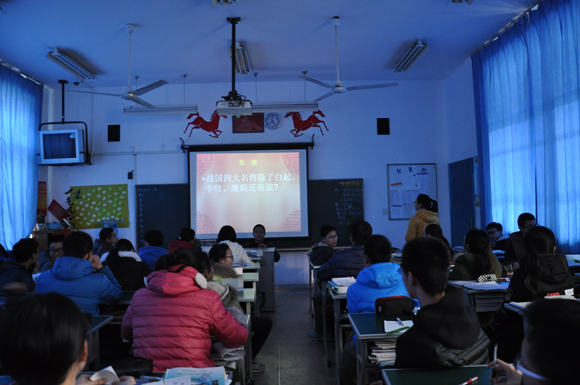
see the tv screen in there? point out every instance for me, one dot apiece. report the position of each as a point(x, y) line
point(62, 146)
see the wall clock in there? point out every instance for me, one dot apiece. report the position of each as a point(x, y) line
point(272, 121)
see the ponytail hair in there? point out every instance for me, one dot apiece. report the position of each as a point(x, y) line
point(121, 245)
point(183, 258)
point(538, 241)
point(427, 203)
point(478, 244)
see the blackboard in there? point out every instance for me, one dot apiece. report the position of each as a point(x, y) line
point(163, 207)
point(337, 202)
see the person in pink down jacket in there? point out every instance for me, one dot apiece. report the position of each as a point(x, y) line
point(172, 320)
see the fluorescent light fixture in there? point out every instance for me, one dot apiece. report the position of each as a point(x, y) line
point(461, 1)
point(285, 106)
point(159, 110)
point(417, 50)
point(243, 66)
point(223, 2)
point(70, 65)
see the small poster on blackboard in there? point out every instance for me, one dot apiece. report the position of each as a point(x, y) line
point(405, 182)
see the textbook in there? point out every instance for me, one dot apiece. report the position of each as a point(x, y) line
point(340, 285)
point(199, 376)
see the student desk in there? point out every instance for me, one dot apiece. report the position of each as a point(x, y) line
point(337, 299)
point(367, 327)
point(482, 297)
point(97, 322)
point(437, 377)
point(266, 284)
point(247, 297)
point(252, 278)
point(312, 279)
point(573, 262)
point(118, 309)
point(126, 297)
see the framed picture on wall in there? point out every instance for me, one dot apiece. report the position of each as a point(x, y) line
point(250, 123)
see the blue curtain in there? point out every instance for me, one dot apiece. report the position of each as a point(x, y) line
point(527, 92)
point(20, 114)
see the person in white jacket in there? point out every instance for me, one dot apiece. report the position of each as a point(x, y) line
point(227, 235)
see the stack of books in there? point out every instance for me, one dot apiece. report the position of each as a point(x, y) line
point(382, 353)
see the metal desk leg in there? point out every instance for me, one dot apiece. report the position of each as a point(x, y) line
point(361, 360)
point(337, 337)
point(256, 297)
point(324, 331)
point(310, 270)
point(248, 356)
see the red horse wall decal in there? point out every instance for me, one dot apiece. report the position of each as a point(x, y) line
point(303, 125)
point(211, 126)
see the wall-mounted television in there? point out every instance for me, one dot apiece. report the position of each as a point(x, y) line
point(62, 146)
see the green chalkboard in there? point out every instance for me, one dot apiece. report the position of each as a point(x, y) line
point(163, 207)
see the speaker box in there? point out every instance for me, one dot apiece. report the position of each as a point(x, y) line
point(114, 133)
point(383, 127)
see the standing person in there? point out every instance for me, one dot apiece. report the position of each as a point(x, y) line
point(186, 240)
point(126, 265)
point(227, 235)
point(72, 275)
point(259, 233)
point(344, 263)
point(380, 278)
point(516, 250)
point(48, 257)
point(445, 331)
point(325, 249)
point(427, 213)
point(173, 319)
point(104, 244)
point(15, 273)
point(498, 240)
point(152, 250)
point(49, 330)
point(479, 259)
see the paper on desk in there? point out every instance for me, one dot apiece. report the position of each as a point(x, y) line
point(395, 327)
point(154, 383)
point(214, 375)
point(474, 285)
point(108, 373)
point(186, 380)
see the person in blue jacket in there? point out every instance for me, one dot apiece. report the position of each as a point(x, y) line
point(344, 263)
point(80, 276)
point(152, 250)
point(381, 278)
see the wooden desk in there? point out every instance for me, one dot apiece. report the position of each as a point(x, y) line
point(479, 299)
point(126, 297)
point(367, 327)
point(337, 299)
point(97, 322)
point(437, 377)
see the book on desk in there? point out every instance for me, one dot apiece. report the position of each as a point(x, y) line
point(340, 285)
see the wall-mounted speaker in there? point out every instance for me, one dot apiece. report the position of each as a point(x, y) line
point(383, 127)
point(114, 133)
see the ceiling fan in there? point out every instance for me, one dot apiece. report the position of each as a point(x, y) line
point(338, 88)
point(130, 94)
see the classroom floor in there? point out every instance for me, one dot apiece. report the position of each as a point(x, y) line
point(289, 355)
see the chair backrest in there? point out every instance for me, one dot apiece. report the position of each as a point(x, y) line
point(394, 306)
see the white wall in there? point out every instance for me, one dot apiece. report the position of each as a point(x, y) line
point(424, 118)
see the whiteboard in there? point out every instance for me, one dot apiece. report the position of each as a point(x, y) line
point(405, 182)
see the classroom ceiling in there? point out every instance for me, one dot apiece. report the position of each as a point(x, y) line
point(283, 38)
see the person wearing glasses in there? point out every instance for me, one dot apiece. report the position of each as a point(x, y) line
point(48, 257)
point(223, 259)
point(549, 353)
point(259, 233)
point(325, 249)
point(516, 250)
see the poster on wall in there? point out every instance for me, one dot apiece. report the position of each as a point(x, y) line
point(91, 205)
point(405, 182)
point(41, 203)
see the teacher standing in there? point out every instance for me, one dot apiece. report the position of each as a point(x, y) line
point(427, 213)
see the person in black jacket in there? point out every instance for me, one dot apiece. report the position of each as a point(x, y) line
point(542, 272)
point(15, 274)
point(445, 332)
point(344, 263)
point(325, 249)
point(259, 233)
point(126, 265)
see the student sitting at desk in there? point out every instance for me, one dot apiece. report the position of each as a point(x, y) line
point(152, 250)
point(445, 332)
point(186, 240)
point(549, 353)
point(259, 233)
point(227, 235)
point(73, 276)
point(173, 319)
point(15, 273)
point(542, 272)
point(222, 258)
point(516, 250)
point(498, 240)
point(436, 231)
point(381, 278)
point(479, 259)
point(344, 263)
point(126, 265)
point(43, 340)
point(104, 243)
point(325, 249)
point(54, 252)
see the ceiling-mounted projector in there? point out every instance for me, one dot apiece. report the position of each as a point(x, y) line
point(234, 107)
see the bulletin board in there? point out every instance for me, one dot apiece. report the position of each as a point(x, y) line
point(92, 204)
point(405, 182)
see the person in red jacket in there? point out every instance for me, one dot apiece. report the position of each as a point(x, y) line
point(173, 319)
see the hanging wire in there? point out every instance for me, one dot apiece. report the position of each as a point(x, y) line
point(256, 85)
point(184, 76)
point(136, 84)
point(304, 81)
point(336, 43)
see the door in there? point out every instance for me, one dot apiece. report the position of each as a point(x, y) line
point(461, 195)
